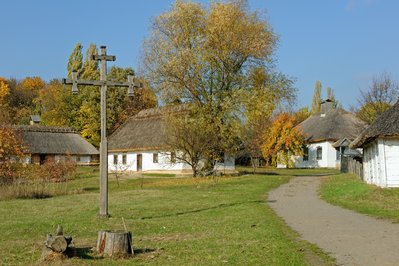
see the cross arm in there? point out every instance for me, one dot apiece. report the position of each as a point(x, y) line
point(96, 83)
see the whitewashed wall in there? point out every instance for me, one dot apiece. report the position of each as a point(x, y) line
point(164, 162)
point(381, 163)
point(228, 165)
point(329, 155)
point(81, 160)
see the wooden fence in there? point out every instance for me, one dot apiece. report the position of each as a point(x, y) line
point(352, 165)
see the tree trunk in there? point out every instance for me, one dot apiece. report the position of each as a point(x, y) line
point(115, 244)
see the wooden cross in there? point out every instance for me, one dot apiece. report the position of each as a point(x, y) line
point(131, 85)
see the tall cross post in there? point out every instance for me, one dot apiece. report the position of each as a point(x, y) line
point(103, 83)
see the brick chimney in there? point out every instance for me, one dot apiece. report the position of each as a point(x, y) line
point(326, 107)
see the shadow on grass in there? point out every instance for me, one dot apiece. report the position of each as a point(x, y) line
point(223, 205)
point(143, 250)
point(86, 253)
point(91, 189)
point(257, 173)
point(82, 253)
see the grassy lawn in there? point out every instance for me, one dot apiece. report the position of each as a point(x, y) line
point(348, 191)
point(174, 221)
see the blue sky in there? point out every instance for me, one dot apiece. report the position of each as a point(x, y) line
point(342, 43)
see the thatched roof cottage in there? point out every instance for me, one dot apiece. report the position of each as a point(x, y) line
point(140, 144)
point(44, 143)
point(327, 136)
point(380, 143)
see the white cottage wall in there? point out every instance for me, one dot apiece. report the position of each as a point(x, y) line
point(328, 158)
point(391, 147)
point(164, 162)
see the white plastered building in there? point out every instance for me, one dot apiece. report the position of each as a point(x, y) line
point(380, 143)
point(139, 145)
point(325, 136)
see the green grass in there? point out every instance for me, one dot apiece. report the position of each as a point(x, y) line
point(348, 191)
point(174, 221)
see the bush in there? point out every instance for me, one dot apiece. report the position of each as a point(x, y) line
point(38, 181)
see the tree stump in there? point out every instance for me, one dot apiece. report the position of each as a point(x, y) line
point(115, 244)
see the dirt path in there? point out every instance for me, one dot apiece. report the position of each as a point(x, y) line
point(352, 238)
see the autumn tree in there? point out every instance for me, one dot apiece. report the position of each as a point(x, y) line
point(377, 98)
point(316, 100)
point(4, 91)
point(5, 112)
point(268, 92)
point(204, 56)
point(53, 100)
point(189, 136)
point(301, 115)
point(282, 140)
point(11, 151)
point(21, 99)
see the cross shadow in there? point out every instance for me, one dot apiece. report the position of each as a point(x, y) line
point(223, 205)
point(257, 173)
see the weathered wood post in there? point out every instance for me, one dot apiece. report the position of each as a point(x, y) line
point(103, 58)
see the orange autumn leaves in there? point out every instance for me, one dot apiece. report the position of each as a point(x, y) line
point(11, 150)
point(282, 140)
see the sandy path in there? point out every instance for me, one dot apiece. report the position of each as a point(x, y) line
point(352, 238)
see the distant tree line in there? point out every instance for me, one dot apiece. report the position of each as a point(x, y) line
point(54, 102)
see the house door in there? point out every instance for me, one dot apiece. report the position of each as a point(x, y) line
point(42, 158)
point(139, 162)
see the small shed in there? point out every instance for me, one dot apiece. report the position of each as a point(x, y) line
point(55, 144)
point(327, 135)
point(380, 143)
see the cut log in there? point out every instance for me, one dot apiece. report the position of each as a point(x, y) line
point(115, 244)
point(57, 243)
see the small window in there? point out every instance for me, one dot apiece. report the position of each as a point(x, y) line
point(124, 159)
point(155, 157)
point(305, 151)
point(173, 157)
point(319, 153)
point(115, 158)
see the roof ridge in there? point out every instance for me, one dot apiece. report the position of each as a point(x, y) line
point(41, 128)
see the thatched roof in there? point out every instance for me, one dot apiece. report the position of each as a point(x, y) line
point(334, 125)
point(144, 131)
point(386, 125)
point(54, 140)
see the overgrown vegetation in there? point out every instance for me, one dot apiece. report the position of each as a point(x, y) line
point(39, 181)
point(175, 221)
point(346, 190)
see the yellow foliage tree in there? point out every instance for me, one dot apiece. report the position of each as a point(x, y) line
point(4, 90)
point(205, 56)
point(282, 140)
